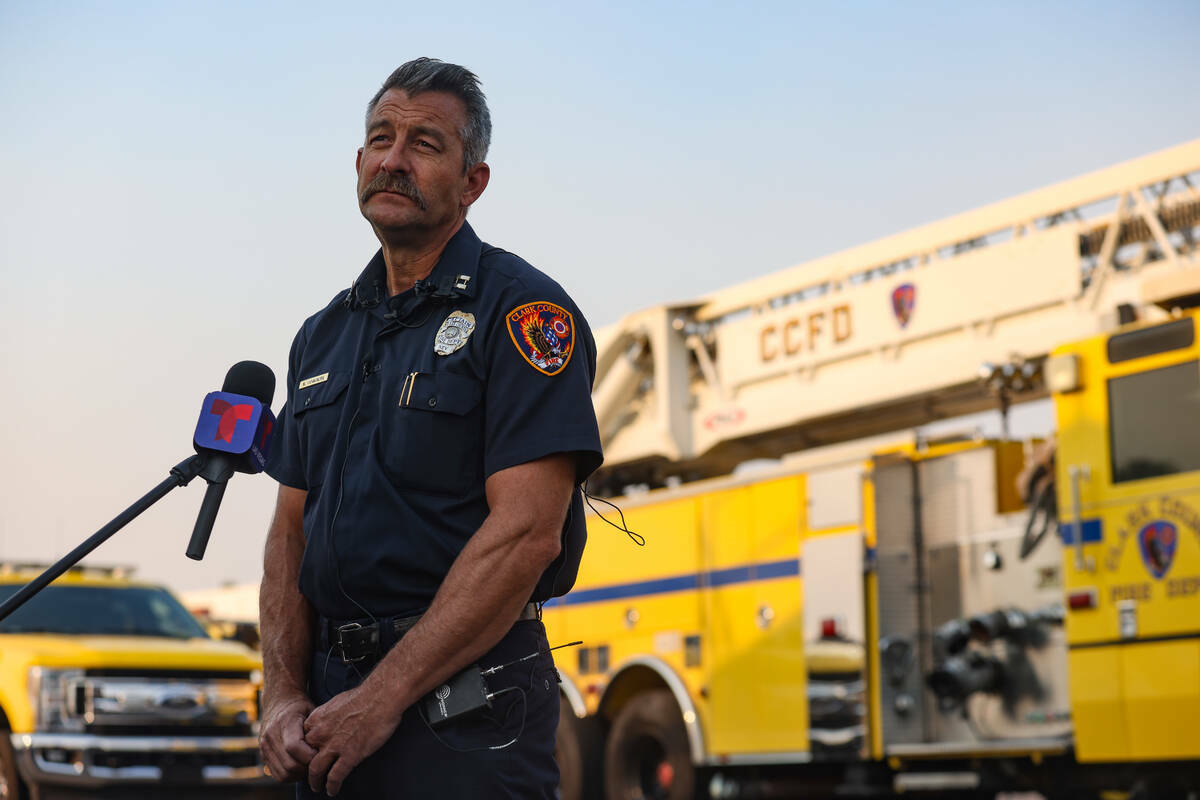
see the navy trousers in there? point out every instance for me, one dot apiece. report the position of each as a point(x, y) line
point(471, 757)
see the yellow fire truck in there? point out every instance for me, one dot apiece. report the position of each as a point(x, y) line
point(873, 613)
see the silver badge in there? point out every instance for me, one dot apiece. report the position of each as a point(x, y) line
point(454, 333)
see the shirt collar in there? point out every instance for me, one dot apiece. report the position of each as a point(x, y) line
point(453, 277)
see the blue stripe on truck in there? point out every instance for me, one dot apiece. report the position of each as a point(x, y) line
point(1091, 531)
point(760, 571)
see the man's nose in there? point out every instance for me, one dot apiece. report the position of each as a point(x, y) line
point(395, 160)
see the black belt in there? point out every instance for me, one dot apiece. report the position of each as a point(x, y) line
point(357, 640)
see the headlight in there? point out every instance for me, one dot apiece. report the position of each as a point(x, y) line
point(55, 695)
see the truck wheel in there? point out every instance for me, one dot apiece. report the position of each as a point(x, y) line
point(10, 782)
point(1158, 788)
point(579, 750)
point(648, 756)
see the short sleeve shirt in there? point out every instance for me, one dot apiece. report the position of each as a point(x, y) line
point(398, 410)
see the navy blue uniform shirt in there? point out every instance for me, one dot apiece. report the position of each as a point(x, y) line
point(398, 409)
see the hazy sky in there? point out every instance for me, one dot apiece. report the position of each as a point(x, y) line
point(177, 185)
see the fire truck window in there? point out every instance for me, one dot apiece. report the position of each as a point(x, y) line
point(1155, 422)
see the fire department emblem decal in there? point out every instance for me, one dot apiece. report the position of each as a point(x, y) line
point(1158, 541)
point(544, 334)
point(454, 333)
point(904, 300)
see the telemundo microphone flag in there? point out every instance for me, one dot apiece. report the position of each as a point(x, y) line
point(235, 424)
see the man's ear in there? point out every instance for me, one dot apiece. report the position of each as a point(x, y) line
point(358, 161)
point(477, 180)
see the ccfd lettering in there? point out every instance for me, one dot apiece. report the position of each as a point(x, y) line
point(802, 334)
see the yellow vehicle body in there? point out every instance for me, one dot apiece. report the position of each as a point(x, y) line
point(1129, 499)
point(125, 710)
point(716, 617)
point(712, 608)
point(105, 652)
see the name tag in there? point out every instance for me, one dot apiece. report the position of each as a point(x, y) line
point(313, 381)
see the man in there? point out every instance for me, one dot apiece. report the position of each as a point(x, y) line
point(438, 420)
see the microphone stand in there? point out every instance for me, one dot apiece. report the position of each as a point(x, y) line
point(181, 474)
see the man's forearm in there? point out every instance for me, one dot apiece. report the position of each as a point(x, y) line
point(286, 618)
point(477, 604)
point(490, 582)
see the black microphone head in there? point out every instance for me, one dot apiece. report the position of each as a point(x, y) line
point(252, 379)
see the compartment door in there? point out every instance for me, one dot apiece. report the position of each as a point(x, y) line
point(758, 687)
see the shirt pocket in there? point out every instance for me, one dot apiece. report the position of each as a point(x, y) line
point(318, 411)
point(432, 433)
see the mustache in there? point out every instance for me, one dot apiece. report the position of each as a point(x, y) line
point(396, 182)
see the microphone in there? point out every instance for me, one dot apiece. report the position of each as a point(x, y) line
point(233, 434)
point(447, 288)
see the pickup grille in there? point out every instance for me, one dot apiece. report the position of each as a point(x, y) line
point(171, 674)
point(170, 730)
point(166, 761)
point(164, 702)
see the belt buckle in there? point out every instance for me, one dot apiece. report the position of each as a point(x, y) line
point(371, 638)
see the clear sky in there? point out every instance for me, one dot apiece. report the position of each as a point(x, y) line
point(177, 185)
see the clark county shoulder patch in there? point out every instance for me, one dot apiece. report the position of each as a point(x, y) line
point(544, 335)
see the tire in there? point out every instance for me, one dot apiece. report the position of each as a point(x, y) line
point(10, 781)
point(1158, 788)
point(648, 757)
point(579, 750)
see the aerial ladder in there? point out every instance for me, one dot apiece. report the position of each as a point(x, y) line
point(893, 334)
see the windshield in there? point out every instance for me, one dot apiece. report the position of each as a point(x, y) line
point(106, 610)
point(1153, 422)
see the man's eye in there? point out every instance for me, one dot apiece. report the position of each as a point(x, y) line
point(425, 144)
point(378, 139)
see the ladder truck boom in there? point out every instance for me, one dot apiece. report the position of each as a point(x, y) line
point(893, 333)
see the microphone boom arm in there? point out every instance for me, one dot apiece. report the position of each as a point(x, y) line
point(181, 474)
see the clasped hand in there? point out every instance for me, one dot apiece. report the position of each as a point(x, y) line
point(323, 744)
point(343, 732)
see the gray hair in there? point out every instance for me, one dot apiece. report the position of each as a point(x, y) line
point(432, 75)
